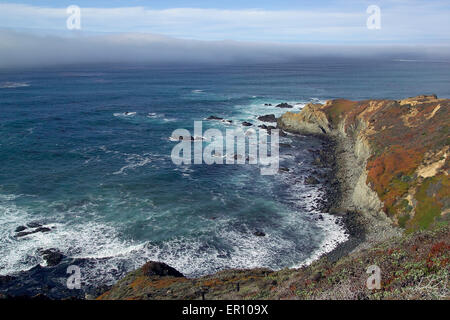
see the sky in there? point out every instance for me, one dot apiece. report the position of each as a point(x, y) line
point(225, 30)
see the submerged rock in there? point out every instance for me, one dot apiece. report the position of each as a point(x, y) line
point(246, 124)
point(6, 279)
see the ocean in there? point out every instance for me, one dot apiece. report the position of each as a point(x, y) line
point(85, 151)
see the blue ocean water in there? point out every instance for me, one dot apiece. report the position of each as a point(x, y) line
point(73, 159)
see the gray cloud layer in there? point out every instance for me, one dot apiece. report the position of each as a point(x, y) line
point(20, 49)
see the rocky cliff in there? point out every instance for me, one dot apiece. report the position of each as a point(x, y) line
point(394, 155)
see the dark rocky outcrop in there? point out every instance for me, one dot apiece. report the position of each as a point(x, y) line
point(36, 230)
point(20, 228)
point(284, 105)
point(268, 118)
point(265, 127)
point(153, 268)
point(214, 118)
point(52, 256)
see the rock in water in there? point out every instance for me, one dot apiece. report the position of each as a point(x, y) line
point(20, 228)
point(268, 118)
point(34, 225)
point(283, 105)
point(25, 233)
point(52, 256)
point(214, 118)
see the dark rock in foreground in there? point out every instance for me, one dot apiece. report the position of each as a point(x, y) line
point(153, 268)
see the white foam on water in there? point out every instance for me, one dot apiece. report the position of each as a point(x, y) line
point(97, 240)
point(87, 240)
point(134, 161)
point(11, 85)
point(194, 257)
point(153, 115)
point(332, 232)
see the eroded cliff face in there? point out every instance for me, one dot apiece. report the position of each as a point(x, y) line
point(398, 163)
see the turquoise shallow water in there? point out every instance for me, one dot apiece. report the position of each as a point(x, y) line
point(70, 158)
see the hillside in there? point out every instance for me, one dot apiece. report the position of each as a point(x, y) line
point(403, 147)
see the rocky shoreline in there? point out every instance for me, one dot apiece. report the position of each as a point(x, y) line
point(349, 150)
